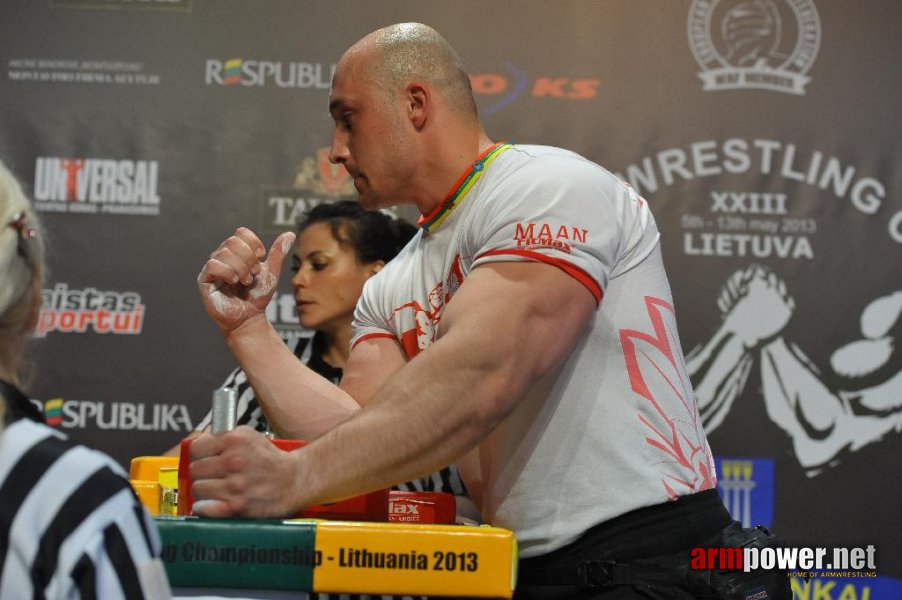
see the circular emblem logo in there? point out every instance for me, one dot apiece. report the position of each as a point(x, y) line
point(754, 44)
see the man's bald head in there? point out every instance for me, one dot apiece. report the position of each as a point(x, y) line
point(404, 52)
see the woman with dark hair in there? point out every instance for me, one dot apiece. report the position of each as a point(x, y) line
point(70, 525)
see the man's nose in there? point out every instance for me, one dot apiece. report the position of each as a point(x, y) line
point(338, 152)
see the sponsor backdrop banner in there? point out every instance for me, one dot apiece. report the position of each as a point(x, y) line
point(764, 133)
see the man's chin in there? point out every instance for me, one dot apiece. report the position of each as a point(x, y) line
point(363, 197)
point(368, 201)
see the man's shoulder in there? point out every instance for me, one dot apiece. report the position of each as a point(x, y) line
point(543, 152)
point(550, 161)
point(531, 171)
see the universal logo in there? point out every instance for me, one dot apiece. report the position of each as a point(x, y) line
point(91, 185)
point(754, 44)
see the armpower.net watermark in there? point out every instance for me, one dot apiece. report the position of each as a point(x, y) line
point(797, 561)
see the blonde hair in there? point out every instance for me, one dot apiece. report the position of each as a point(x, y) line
point(21, 262)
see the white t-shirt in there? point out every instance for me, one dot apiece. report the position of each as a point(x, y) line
point(615, 427)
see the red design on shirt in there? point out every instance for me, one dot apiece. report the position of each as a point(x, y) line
point(419, 324)
point(658, 375)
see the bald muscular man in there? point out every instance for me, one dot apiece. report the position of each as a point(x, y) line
point(526, 333)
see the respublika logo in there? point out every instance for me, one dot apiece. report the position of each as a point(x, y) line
point(515, 83)
point(81, 311)
point(261, 73)
point(317, 181)
point(746, 486)
point(53, 412)
point(123, 416)
point(92, 185)
point(748, 44)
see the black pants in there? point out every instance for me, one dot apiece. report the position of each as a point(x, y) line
point(646, 554)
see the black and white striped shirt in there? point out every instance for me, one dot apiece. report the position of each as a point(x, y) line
point(70, 524)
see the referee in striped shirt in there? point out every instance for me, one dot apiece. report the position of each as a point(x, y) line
point(70, 525)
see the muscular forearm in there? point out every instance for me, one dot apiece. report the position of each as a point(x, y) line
point(297, 402)
point(409, 429)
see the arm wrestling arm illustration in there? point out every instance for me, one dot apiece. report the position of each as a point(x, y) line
point(754, 307)
point(855, 403)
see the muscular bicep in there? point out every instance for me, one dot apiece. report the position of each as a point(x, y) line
point(520, 318)
point(371, 363)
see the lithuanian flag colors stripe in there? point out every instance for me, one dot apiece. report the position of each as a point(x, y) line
point(434, 219)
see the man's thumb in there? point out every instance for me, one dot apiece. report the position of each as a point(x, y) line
point(279, 250)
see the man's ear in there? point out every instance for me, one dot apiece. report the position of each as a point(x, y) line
point(419, 102)
point(376, 266)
